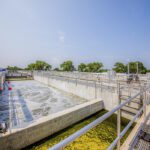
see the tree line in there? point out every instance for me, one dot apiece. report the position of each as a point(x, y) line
point(119, 67)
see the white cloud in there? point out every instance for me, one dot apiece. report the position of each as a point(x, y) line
point(62, 39)
point(61, 36)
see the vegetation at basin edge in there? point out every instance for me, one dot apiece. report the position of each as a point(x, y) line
point(98, 138)
point(19, 79)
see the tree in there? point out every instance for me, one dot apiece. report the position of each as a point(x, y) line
point(91, 67)
point(13, 68)
point(104, 70)
point(39, 65)
point(120, 67)
point(82, 67)
point(67, 66)
point(56, 69)
point(133, 67)
point(31, 66)
point(94, 67)
point(148, 71)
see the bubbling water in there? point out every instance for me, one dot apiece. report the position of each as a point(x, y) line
point(31, 100)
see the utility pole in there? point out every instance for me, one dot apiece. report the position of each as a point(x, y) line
point(137, 68)
point(128, 68)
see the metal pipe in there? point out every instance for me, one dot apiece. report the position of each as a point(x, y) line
point(118, 118)
point(118, 127)
point(144, 103)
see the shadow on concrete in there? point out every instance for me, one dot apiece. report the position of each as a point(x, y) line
point(26, 111)
point(4, 106)
point(9, 109)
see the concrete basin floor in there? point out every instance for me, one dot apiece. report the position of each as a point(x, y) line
point(31, 100)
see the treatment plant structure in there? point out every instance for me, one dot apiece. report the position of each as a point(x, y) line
point(32, 110)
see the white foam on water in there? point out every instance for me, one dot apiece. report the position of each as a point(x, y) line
point(30, 100)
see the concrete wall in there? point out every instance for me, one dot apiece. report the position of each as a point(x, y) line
point(87, 89)
point(82, 85)
point(49, 125)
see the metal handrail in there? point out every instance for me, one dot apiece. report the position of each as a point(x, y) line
point(77, 134)
point(125, 129)
point(95, 80)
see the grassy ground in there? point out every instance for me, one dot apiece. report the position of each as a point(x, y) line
point(18, 79)
point(98, 138)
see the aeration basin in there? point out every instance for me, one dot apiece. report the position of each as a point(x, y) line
point(34, 111)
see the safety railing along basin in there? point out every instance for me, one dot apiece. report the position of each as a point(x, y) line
point(120, 134)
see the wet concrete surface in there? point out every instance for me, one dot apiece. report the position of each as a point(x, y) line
point(31, 100)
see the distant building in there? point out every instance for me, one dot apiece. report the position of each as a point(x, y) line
point(3, 69)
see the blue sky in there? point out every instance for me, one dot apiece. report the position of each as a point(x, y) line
point(80, 30)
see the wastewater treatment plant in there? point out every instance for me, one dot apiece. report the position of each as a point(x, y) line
point(64, 110)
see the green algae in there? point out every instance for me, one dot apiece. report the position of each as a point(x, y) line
point(98, 138)
point(19, 79)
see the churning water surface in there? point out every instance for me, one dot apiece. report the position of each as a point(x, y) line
point(30, 100)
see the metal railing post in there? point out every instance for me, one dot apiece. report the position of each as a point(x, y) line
point(144, 103)
point(142, 99)
point(118, 118)
point(95, 91)
point(141, 94)
point(83, 130)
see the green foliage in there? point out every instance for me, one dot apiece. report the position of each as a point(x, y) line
point(98, 138)
point(94, 67)
point(104, 70)
point(67, 66)
point(19, 79)
point(13, 68)
point(82, 67)
point(39, 65)
point(141, 68)
point(148, 71)
point(91, 67)
point(31, 67)
point(56, 69)
point(120, 67)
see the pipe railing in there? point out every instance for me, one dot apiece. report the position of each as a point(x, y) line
point(87, 75)
point(82, 131)
point(97, 80)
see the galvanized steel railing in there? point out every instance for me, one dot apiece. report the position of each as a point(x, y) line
point(120, 134)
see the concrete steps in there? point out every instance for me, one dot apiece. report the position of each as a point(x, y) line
point(131, 108)
point(127, 114)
